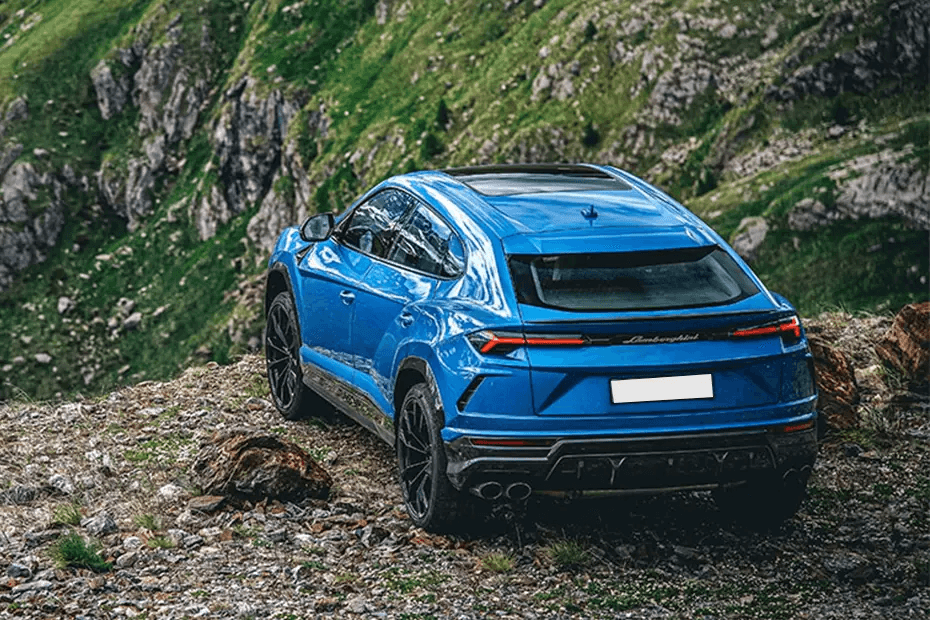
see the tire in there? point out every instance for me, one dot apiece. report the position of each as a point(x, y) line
point(431, 501)
point(291, 397)
point(763, 503)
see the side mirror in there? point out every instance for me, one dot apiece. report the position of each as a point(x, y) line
point(317, 227)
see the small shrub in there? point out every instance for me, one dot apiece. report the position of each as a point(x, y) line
point(442, 115)
point(590, 31)
point(430, 147)
point(75, 552)
point(498, 562)
point(568, 554)
point(591, 136)
point(67, 514)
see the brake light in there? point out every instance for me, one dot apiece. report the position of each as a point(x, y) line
point(500, 343)
point(790, 329)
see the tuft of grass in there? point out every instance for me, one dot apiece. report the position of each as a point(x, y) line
point(243, 531)
point(498, 562)
point(73, 551)
point(67, 514)
point(137, 456)
point(147, 522)
point(161, 542)
point(568, 553)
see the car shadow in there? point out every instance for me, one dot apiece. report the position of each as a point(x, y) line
point(681, 528)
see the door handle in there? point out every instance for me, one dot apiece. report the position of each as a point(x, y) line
point(347, 297)
point(406, 319)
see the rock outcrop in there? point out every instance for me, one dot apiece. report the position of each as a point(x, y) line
point(247, 139)
point(749, 236)
point(836, 381)
point(112, 90)
point(127, 191)
point(31, 210)
point(26, 236)
point(900, 56)
point(677, 89)
point(290, 198)
point(906, 346)
point(170, 91)
point(883, 184)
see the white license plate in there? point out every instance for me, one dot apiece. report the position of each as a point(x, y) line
point(661, 388)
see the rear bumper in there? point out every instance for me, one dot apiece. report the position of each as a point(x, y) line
point(640, 463)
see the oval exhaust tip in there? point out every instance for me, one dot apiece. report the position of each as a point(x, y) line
point(488, 490)
point(518, 491)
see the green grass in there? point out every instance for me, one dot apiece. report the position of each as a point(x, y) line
point(161, 542)
point(64, 26)
point(67, 514)
point(73, 551)
point(568, 554)
point(404, 581)
point(147, 521)
point(498, 562)
point(856, 265)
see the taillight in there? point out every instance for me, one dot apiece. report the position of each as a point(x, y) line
point(789, 330)
point(501, 343)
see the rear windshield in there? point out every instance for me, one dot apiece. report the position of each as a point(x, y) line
point(631, 280)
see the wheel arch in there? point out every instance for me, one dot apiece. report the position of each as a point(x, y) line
point(276, 282)
point(410, 372)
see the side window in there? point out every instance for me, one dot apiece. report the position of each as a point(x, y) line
point(371, 226)
point(426, 243)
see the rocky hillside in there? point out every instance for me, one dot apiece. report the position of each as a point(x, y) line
point(151, 150)
point(107, 521)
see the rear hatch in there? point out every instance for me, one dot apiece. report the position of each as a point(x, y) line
point(649, 332)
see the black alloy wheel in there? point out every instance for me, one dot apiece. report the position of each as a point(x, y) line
point(431, 500)
point(291, 397)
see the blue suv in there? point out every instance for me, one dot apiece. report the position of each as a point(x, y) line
point(543, 328)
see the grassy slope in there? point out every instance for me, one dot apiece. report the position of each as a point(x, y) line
point(380, 81)
point(162, 264)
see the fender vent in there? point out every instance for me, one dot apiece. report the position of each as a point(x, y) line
point(469, 392)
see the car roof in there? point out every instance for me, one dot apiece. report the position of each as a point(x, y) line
point(528, 199)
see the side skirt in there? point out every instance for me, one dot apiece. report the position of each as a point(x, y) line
point(349, 400)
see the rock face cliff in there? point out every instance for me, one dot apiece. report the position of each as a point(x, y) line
point(155, 153)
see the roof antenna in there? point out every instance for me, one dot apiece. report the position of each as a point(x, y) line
point(589, 214)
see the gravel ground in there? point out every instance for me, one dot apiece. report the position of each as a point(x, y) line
point(116, 469)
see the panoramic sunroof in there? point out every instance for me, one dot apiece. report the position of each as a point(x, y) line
point(516, 180)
